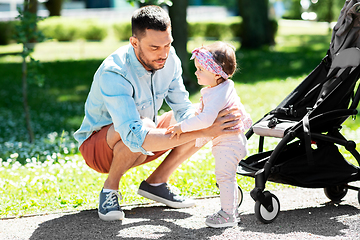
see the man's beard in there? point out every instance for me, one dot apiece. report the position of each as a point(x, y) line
point(149, 64)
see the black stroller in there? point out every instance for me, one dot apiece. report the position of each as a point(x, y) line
point(308, 121)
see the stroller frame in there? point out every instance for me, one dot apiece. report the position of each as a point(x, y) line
point(314, 111)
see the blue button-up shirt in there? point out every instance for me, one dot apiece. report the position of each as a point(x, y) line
point(123, 92)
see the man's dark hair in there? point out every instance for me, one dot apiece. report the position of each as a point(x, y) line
point(149, 17)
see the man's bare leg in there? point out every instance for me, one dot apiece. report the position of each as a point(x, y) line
point(173, 160)
point(123, 159)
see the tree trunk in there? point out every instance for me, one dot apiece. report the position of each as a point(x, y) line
point(31, 6)
point(177, 13)
point(25, 100)
point(54, 7)
point(256, 29)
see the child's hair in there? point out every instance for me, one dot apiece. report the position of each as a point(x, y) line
point(224, 55)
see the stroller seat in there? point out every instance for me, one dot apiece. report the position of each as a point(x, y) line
point(274, 127)
point(349, 57)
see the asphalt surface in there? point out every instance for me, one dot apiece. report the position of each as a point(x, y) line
point(305, 214)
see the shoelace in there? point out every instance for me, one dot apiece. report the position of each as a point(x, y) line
point(173, 189)
point(217, 216)
point(111, 199)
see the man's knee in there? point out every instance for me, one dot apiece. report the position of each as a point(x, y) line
point(121, 151)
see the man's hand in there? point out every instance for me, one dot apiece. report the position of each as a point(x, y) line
point(226, 119)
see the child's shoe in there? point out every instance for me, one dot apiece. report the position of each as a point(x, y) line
point(221, 219)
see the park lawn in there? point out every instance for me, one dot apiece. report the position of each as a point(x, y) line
point(51, 176)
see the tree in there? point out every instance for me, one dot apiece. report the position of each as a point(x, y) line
point(54, 7)
point(27, 34)
point(177, 13)
point(256, 27)
point(31, 6)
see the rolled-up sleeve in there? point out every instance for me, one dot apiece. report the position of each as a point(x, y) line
point(117, 93)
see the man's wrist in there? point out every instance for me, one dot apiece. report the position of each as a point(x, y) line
point(204, 133)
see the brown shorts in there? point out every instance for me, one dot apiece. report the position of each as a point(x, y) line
point(97, 153)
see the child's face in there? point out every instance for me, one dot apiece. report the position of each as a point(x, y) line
point(205, 77)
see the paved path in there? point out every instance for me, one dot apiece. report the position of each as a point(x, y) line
point(305, 214)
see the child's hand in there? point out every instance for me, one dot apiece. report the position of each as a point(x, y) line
point(174, 130)
point(169, 129)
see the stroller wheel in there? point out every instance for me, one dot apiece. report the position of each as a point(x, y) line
point(241, 196)
point(336, 193)
point(263, 214)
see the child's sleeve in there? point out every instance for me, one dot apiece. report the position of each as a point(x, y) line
point(213, 103)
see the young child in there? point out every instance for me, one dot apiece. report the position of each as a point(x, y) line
point(215, 63)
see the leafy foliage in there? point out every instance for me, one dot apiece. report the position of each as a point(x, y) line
point(27, 34)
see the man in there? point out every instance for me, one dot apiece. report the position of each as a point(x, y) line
point(121, 130)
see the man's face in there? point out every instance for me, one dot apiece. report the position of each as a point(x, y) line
point(153, 48)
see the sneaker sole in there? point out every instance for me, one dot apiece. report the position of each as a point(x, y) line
point(112, 216)
point(164, 201)
point(231, 224)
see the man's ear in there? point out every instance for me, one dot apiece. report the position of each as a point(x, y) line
point(134, 41)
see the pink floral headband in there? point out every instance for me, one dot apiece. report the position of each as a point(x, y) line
point(206, 60)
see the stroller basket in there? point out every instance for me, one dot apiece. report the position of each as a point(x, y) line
point(292, 167)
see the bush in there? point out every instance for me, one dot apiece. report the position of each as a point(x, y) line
point(235, 28)
point(61, 29)
point(216, 30)
point(122, 31)
point(7, 30)
point(196, 29)
point(67, 29)
point(94, 31)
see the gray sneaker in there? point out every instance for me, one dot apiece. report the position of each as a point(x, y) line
point(164, 194)
point(221, 219)
point(109, 208)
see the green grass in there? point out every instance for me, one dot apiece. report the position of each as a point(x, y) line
point(50, 175)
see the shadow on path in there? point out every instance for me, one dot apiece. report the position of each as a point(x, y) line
point(328, 221)
point(157, 222)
